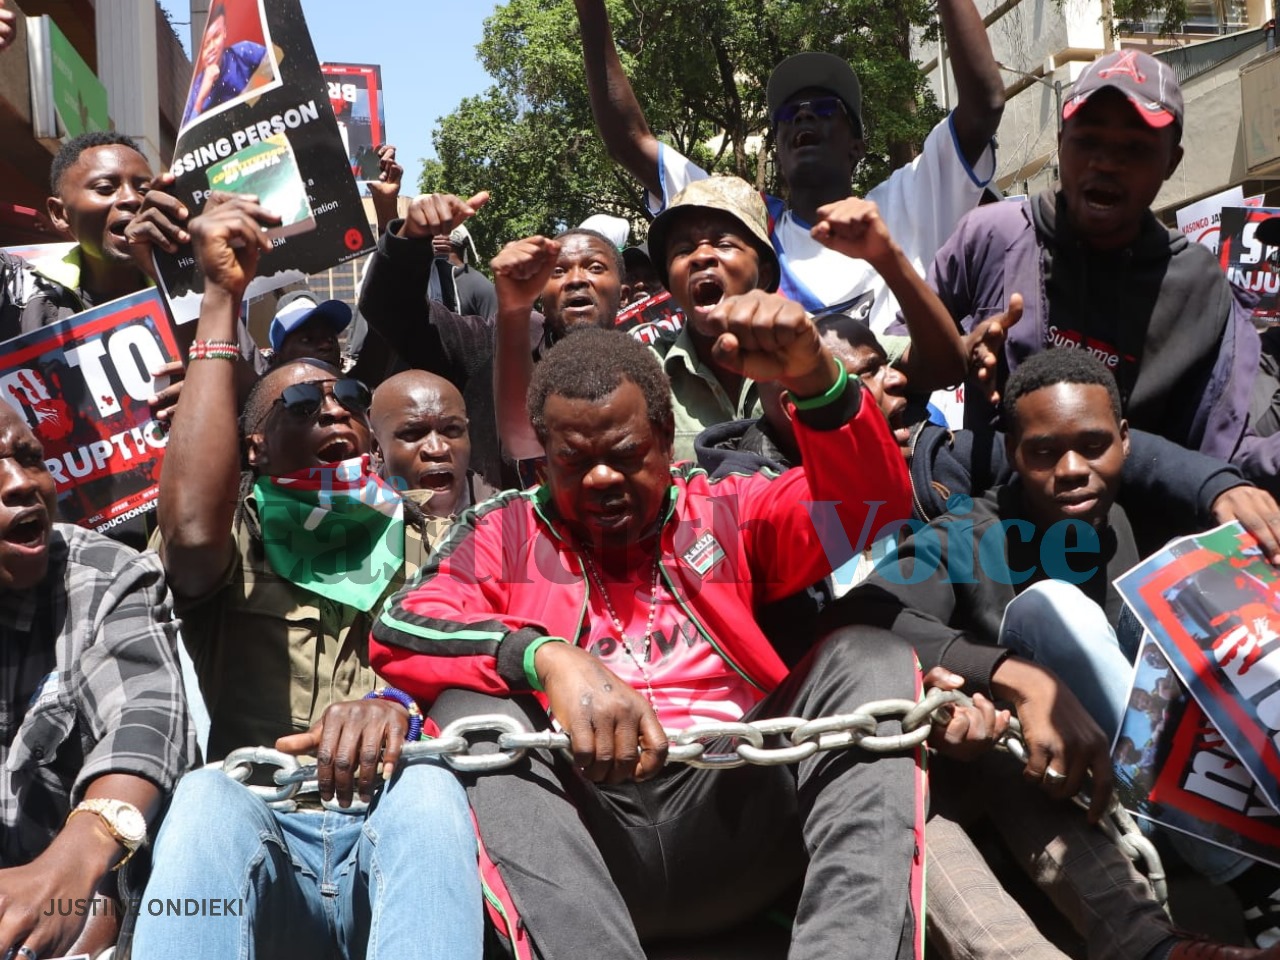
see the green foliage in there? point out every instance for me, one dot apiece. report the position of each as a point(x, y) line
point(699, 71)
point(1170, 14)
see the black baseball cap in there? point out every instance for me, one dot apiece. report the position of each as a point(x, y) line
point(825, 71)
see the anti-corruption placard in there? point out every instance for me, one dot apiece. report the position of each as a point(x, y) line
point(1249, 262)
point(258, 120)
point(83, 384)
point(355, 93)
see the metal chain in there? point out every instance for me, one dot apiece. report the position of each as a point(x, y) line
point(801, 739)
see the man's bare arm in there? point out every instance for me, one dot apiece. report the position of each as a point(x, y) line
point(619, 118)
point(980, 101)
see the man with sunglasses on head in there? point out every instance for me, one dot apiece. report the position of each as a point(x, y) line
point(277, 575)
point(815, 108)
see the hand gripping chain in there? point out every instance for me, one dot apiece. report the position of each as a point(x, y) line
point(800, 738)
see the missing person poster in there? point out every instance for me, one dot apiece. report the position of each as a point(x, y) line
point(257, 121)
point(1212, 603)
point(1248, 261)
point(355, 93)
point(83, 384)
point(1174, 768)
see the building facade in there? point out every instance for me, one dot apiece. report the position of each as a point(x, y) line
point(123, 51)
point(1043, 45)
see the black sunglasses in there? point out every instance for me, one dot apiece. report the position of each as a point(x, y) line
point(304, 400)
point(822, 107)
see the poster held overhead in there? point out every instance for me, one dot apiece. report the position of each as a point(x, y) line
point(258, 121)
point(355, 93)
point(83, 386)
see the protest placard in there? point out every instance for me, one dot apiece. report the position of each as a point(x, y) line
point(83, 384)
point(1200, 222)
point(651, 319)
point(1174, 768)
point(1211, 603)
point(1248, 261)
point(355, 93)
point(257, 120)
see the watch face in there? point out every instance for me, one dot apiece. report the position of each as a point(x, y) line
point(130, 824)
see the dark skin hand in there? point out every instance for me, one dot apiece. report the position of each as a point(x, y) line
point(985, 346)
point(7, 28)
point(1257, 512)
point(969, 732)
point(160, 222)
point(437, 214)
point(351, 741)
point(613, 730)
point(72, 867)
point(386, 189)
point(1059, 733)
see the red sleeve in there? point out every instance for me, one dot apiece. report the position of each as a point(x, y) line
point(852, 489)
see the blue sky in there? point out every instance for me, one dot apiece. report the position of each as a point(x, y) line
point(427, 68)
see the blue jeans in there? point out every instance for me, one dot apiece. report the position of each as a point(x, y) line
point(398, 882)
point(1057, 626)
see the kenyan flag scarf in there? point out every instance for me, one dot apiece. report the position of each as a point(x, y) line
point(336, 530)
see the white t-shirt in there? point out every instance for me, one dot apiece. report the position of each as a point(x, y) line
point(921, 203)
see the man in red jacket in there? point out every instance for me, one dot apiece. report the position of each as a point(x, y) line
point(619, 599)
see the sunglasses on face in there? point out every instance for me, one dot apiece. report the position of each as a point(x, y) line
point(304, 400)
point(821, 107)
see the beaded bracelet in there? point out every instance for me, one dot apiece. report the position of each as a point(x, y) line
point(406, 701)
point(214, 350)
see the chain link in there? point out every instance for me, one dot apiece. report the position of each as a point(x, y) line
point(738, 744)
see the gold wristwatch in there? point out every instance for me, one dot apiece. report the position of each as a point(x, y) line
point(123, 821)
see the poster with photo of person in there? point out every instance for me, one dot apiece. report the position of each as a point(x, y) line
point(1212, 603)
point(1173, 767)
point(355, 93)
point(258, 121)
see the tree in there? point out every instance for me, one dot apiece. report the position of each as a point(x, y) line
point(699, 70)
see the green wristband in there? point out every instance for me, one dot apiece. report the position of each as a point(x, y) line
point(529, 673)
point(834, 392)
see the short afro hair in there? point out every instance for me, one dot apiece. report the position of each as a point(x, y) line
point(260, 400)
point(615, 253)
point(591, 363)
point(852, 331)
point(70, 151)
point(1062, 365)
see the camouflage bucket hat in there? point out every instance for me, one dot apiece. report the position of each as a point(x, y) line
point(731, 195)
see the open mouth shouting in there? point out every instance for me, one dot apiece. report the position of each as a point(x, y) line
point(705, 291)
point(28, 532)
point(578, 307)
point(438, 478)
point(338, 447)
point(805, 137)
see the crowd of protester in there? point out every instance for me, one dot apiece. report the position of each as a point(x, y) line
point(504, 498)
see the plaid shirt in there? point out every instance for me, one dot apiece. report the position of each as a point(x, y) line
point(89, 685)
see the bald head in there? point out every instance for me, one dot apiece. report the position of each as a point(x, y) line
point(406, 389)
point(419, 426)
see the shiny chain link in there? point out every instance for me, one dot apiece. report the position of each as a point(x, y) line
point(745, 745)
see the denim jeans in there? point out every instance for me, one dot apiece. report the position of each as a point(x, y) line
point(1057, 626)
point(1054, 624)
point(398, 881)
